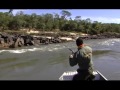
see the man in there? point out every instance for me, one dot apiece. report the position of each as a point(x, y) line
point(82, 57)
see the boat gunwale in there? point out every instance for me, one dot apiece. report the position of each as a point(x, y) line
point(95, 72)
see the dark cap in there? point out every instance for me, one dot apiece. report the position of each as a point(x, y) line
point(79, 41)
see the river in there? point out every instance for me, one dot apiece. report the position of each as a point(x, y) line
point(48, 62)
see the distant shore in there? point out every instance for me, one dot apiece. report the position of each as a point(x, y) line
point(35, 38)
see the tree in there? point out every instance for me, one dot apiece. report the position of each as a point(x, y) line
point(65, 14)
point(87, 25)
point(10, 11)
point(56, 20)
point(77, 18)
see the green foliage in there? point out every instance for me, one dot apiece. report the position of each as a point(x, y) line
point(52, 22)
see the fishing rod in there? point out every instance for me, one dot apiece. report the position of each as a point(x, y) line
point(70, 49)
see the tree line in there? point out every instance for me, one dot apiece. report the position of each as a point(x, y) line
point(51, 22)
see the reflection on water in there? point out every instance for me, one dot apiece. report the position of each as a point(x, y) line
point(59, 58)
point(7, 60)
point(100, 52)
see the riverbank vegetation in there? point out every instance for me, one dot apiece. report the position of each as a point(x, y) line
point(54, 22)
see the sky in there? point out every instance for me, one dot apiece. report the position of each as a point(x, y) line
point(100, 15)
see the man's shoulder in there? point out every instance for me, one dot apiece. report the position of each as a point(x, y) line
point(87, 47)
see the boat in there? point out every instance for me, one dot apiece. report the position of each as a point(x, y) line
point(68, 75)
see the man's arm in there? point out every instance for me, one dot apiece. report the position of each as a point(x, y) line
point(72, 60)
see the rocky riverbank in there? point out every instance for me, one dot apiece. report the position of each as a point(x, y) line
point(20, 40)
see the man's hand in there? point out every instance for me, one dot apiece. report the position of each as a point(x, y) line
point(71, 56)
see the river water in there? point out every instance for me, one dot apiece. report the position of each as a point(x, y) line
point(48, 62)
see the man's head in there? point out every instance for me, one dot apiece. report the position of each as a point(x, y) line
point(79, 41)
